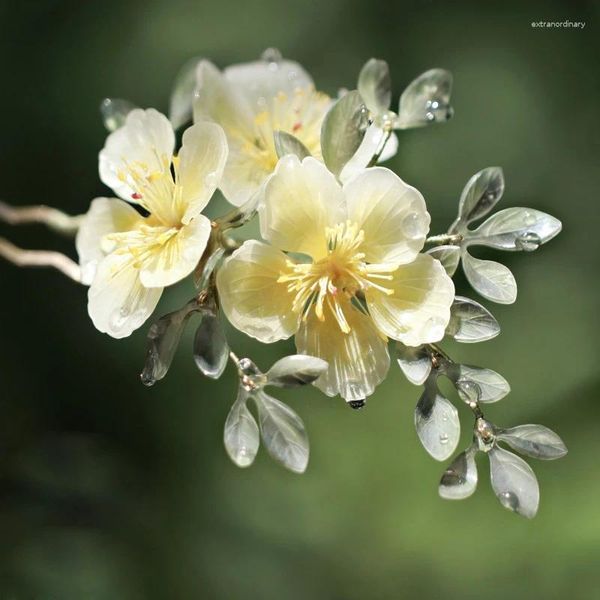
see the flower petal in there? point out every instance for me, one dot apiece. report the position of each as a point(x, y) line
point(105, 215)
point(418, 311)
point(117, 301)
point(358, 361)
point(391, 213)
point(201, 163)
point(252, 298)
point(146, 141)
point(301, 200)
point(177, 258)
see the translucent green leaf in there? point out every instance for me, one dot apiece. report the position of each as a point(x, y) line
point(375, 86)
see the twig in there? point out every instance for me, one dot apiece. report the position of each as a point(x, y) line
point(52, 217)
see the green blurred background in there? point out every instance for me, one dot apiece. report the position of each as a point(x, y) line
point(109, 490)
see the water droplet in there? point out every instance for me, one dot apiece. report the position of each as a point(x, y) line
point(468, 391)
point(356, 404)
point(485, 434)
point(528, 218)
point(271, 56)
point(509, 500)
point(292, 75)
point(444, 438)
point(147, 378)
point(429, 116)
point(436, 327)
point(528, 242)
point(211, 180)
point(414, 226)
point(123, 311)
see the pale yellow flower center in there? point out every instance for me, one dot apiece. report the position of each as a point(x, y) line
point(337, 278)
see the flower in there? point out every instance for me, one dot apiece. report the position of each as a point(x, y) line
point(129, 258)
point(365, 280)
point(251, 101)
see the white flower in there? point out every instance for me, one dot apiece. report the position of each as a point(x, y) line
point(365, 282)
point(251, 101)
point(128, 258)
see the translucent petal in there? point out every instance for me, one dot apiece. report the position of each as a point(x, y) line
point(105, 216)
point(536, 441)
point(459, 480)
point(415, 362)
point(492, 280)
point(358, 361)
point(301, 200)
point(286, 143)
point(471, 322)
point(241, 435)
point(449, 256)
point(426, 100)
point(343, 130)
point(114, 112)
point(514, 483)
point(211, 350)
point(392, 215)
point(515, 229)
point(296, 370)
point(491, 385)
point(201, 162)
point(479, 196)
point(375, 86)
point(282, 432)
point(182, 97)
point(117, 302)
point(418, 311)
point(437, 423)
point(251, 296)
point(162, 342)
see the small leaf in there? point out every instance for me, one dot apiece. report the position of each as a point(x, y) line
point(470, 322)
point(491, 386)
point(437, 423)
point(182, 97)
point(163, 338)
point(515, 229)
point(459, 480)
point(514, 483)
point(296, 370)
point(283, 433)
point(241, 432)
point(286, 143)
point(536, 441)
point(492, 280)
point(479, 196)
point(207, 267)
point(343, 129)
point(114, 112)
point(210, 346)
point(426, 100)
point(415, 362)
point(375, 86)
point(449, 256)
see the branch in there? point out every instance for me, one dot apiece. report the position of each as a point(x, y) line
point(52, 217)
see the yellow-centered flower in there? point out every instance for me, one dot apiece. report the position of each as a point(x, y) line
point(343, 272)
point(128, 258)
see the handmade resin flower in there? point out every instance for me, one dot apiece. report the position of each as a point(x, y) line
point(354, 276)
point(129, 258)
point(252, 101)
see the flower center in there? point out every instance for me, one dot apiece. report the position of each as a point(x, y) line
point(336, 279)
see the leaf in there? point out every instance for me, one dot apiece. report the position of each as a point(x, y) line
point(426, 100)
point(492, 280)
point(241, 432)
point(375, 86)
point(210, 346)
point(479, 196)
point(536, 441)
point(114, 112)
point(286, 143)
point(515, 229)
point(491, 386)
point(415, 362)
point(283, 433)
point(437, 423)
point(296, 370)
point(449, 256)
point(470, 322)
point(459, 480)
point(343, 129)
point(514, 483)
point(182, 97)
point(162, 341)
